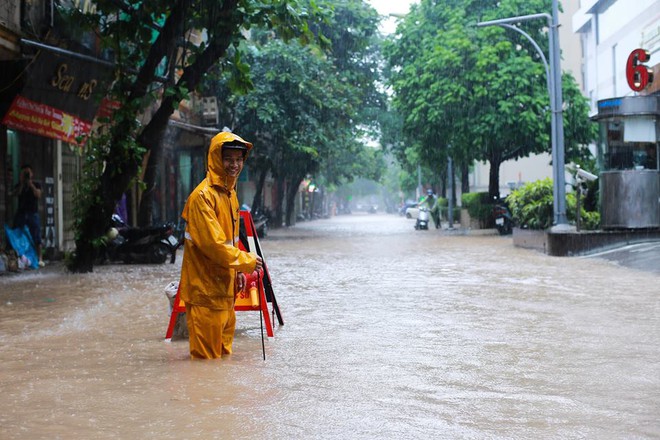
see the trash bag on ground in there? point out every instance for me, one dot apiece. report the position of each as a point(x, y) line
point(21, 241)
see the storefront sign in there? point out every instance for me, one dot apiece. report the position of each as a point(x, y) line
point(43, 120)
point(59, 97)
point(639, 75)
point(66, 83)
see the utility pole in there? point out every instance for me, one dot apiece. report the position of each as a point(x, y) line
point(553, 72)
point(450, 195)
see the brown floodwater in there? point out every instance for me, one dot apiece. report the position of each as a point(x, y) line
point(389, 333)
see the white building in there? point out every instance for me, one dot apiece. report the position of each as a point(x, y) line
point(616, 37)
point(609, 30)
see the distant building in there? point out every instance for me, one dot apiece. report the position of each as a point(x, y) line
point(620, 39)
point(608, 31)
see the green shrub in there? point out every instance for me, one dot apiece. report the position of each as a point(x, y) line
point(589, 220)
point(531, 205)
point(444, 213)
point(480, 207)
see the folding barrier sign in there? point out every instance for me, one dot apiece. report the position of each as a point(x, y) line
point(258, 291)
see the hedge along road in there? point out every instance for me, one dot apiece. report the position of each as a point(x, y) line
point(389, 333)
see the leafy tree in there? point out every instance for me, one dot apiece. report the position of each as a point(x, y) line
point(309, 108)
point(298, 111)
point(477, 93)
point(149, 39)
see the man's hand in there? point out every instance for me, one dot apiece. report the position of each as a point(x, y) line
point(240, 282)
point(260, 263)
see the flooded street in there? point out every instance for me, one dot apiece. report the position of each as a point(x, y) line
point(390, 333)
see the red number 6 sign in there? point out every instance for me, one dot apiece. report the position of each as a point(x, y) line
point(639, 76)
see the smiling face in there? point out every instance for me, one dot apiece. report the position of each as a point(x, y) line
point(232, 161)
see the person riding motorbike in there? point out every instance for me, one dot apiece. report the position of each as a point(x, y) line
point(431, 202)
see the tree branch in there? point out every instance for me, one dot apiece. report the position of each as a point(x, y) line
point(173, 27)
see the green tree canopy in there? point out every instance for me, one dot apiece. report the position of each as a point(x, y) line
point(309, 109)
point(180, 40)
point(477, 93)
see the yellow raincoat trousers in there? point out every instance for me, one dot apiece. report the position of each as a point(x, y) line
point(211, 258)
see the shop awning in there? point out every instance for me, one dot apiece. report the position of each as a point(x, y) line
point(54, 94)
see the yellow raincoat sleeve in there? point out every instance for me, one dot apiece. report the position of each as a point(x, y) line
point(214, 239)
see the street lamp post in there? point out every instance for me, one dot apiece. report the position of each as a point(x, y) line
point(553, 74)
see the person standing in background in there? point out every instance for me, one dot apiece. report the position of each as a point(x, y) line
point(29, 193)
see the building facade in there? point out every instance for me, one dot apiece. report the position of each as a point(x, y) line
point(46, 87)
point(608, 31)
point(49, 88)
point(621, 74)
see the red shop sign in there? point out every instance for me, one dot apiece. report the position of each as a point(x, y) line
point(46, 121)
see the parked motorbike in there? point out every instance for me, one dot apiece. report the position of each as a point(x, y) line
point(151, 244)
point(503, 218)
point(260, 220)
point(423, 218)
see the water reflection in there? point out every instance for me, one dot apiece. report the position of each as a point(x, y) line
point(389, 333)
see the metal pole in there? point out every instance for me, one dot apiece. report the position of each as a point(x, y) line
point(450, 195)
point(538, 50)
point(553, 106)
point(514, 19)
point(577, 209)
point(80, 56)
point(261, 322)
point(553, 129)
point(561, 220)
point(555, 91)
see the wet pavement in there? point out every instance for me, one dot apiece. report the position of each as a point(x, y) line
point(639, 256)
point(389, 333)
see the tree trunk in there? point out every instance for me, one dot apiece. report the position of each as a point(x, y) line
point(465, 178)
point(119, 172)
point(278, 209)
point(154, 141)
point(151, 138)
point(443, 182)
point(152, 135)
point(96, 219)
point(291, 192)
point(258, 195)
point(452, 180)
point(494, 178)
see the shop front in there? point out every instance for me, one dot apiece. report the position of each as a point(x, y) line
point(48, 105)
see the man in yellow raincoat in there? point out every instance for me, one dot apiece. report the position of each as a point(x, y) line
point(213, 267)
